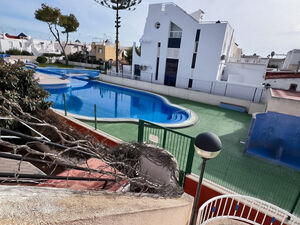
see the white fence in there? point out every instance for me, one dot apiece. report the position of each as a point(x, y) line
point(222, 88)
point(187, 94)
point(244, 208)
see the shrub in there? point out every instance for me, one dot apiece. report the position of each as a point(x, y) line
point(26, 53)
point(41, 59)
point(18, 85)
point(51, 55)
point(13, 51)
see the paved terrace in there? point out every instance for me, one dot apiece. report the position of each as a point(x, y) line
point(232, 168)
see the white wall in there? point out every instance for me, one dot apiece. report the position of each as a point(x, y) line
point(292, 59)
point(246, 73)
point(284, 83)
point(37, 47)
point(6, 44)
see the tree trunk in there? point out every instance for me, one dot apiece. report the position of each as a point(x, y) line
point(66, 57)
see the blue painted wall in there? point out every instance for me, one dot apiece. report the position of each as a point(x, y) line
point(276, 137)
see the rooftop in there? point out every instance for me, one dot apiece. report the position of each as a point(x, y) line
point(293, 95)
point(282, 75)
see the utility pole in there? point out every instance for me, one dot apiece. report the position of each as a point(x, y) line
point(117, 37)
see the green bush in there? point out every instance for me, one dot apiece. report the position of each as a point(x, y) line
point(51, 55)
point(13, 51)
point(26, 53)
point(41, 59)
point(18, 85)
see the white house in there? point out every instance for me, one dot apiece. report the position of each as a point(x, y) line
point(26, 43)
point(292, 60)
point(249, 71)
point(179, 49)
point(74, 47)
point(284, 80)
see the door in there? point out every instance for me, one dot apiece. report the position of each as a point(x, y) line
point(171, 72)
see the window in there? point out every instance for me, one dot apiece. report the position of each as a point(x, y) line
point(174, 42)
point(157, 67)
point(194, 60)
point(195, 49)
point(293, 87)
point(190, 83)
point(100, 50)
point(174, 36)
point(197, 35)
point(175, 31)
point(157, 25)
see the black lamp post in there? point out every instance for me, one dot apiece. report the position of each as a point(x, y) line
point(208, 146)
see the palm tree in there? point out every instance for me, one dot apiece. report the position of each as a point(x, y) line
point(272, 54)
point(118, 5)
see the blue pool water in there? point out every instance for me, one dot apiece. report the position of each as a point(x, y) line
point(114, 102)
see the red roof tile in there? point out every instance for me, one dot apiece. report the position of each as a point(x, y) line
point(281, 75)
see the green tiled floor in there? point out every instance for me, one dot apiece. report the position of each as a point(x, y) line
point(232, 168)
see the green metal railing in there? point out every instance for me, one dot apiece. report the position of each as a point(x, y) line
point(181, 146)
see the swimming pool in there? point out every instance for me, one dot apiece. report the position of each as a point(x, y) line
point(68, 72)
point(117, 103)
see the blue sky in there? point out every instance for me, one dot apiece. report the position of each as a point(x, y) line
point(261, 26)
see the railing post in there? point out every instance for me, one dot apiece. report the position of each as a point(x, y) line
point(95, 111)
point(295, 203)
point(65, 104)
point(164, 138)
point(141, 131)
point(190, 158)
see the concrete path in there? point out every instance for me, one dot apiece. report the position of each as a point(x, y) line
point(45, 79)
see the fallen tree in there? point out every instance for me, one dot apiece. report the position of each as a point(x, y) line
point(44, 138)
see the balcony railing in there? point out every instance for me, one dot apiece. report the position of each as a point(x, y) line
point(244, 208)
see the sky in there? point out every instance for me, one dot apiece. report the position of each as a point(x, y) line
point(260, 26)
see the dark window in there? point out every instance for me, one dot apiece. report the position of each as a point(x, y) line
point(174, 42)
point(137, 70)
point(293, 87)
point(197, 35)
point(190, 83)
point(157, 65)
point(157, 25)
point(158, 44)
point(171, 72)
point(194, 60)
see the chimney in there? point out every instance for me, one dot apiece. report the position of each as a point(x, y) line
point(198, 15)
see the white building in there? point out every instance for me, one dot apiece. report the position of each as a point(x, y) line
point(179, 49)
point(283, 80)
point(26, 43)
point(292, 60)
point(73, 47)
point(249, 71)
